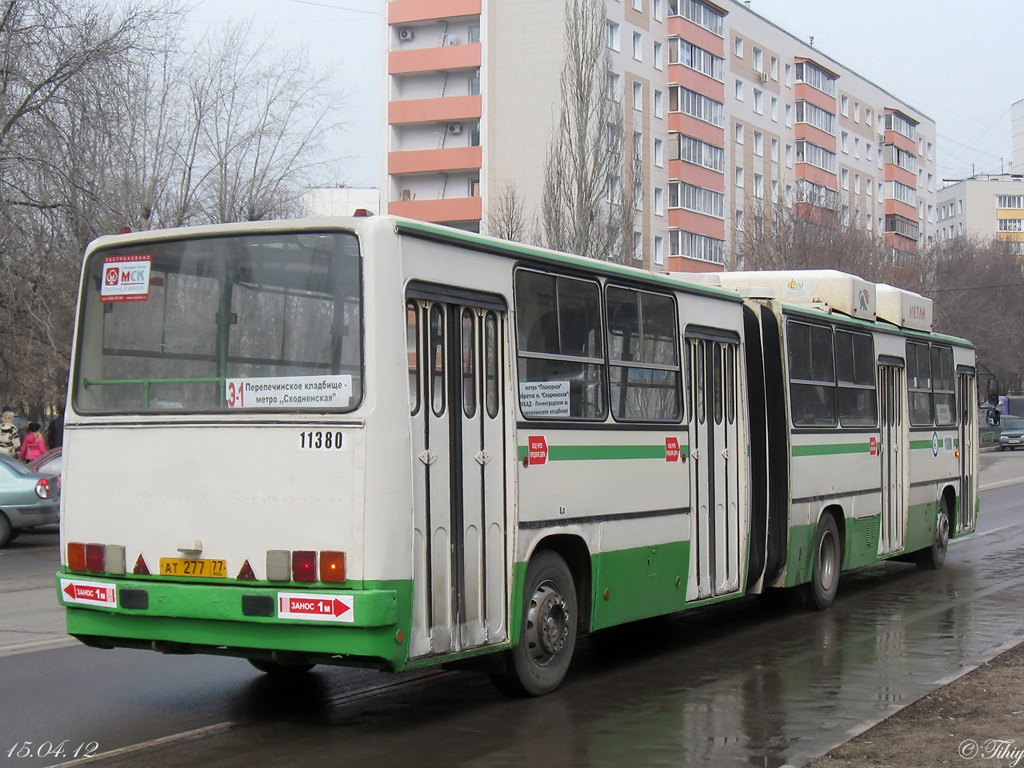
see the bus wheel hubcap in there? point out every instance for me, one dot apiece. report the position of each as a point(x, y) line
point(547, 623)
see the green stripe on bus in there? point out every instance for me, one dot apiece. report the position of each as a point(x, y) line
point(602, 452)
point(920, 445)
point(831, 449)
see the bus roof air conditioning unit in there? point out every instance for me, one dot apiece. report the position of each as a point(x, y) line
point(405, 34)
point(454, 128)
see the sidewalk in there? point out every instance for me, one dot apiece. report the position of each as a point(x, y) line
point(977, 718)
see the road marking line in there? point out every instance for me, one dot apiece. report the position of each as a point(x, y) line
point(1000, 483)
point(28, 646)
point(209, 729)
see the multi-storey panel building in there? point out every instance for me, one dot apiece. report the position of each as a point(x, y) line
point(729, 113)
point(984, 206)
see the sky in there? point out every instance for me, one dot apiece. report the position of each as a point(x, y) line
point(961, 64)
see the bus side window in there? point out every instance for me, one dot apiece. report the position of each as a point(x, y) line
point(919, 382)
point(812, 387)
point(855, 369)
point(943, 385)
point(560, 347)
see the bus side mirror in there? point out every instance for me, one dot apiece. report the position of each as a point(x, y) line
point(992, 416)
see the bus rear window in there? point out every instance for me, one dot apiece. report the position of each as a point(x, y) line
point(247, 322)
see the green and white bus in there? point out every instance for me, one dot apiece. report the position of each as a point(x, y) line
point(384, 443)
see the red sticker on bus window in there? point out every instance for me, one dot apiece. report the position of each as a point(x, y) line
point(538, 449)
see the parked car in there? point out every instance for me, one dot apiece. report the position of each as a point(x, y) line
point(50, 463)
point(1012, 436)
point(27, 499)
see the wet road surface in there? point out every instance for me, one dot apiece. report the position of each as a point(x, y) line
point(751, 683)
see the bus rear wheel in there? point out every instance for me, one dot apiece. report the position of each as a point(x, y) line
point(547, 637)
point(932, 558)
point(821, 592)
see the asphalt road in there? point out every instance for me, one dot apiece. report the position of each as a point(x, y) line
point(753, 682)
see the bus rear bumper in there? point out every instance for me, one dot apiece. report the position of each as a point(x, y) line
point(361, 627)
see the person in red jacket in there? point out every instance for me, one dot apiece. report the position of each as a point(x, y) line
point(34, 444)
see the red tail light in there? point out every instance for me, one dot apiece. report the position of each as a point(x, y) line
point(94, 558)
point(304, 566)
point(43, 489)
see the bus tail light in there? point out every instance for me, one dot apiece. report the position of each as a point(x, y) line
point(95, 559)
point(304, 565)
point(76, 557)
point(332, 567)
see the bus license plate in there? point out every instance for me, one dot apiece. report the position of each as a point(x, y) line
point(179, 566)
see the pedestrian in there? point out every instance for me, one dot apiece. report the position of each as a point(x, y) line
point(55, 430)
point(34, 445)
point(10, 437)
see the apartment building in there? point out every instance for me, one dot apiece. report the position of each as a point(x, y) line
point(984, 206)
point(728, 111)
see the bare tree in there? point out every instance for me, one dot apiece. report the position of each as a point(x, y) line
point(506, 218)
point(584, 208)
point(800, 234)
point(108, 119)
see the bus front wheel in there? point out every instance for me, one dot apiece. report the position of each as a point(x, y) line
point(547, 636)
point(821, 592)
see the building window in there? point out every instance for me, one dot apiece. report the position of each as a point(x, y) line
point(894, 121)
point(774, 67)
point(638, 96)
point(738, 47)
point(789, 76)
point(816, 116)
point(638, 46)
point(696, 105)
point(739, 177)
point(638, 246)
point(758, 101)
point(659, 103)
point(614, 91)
point(758, 143)
point(696, 199)
point(739, 90)
point(758, 186)
point(775, 150)
point(695, 246)
point(758, 60)
point(816, 77)
point(844, 105)
point(789, 115)
point(775, 110)
point(819, 157)
point(845, 175)
point(659, 201)
point(739, 221)
point(613, 35)
point(789, 155)
point(698, 152)
point(739, 133)
point(659, 250)
point(659, 153)
point(700, 14)
point(844, 142)
point(696, 58)
point(659, 11)
point(856, 111)
point(659, 56)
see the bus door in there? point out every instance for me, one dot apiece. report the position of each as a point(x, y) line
point(967, 394)
point(457, 399)
point(892, 451)
point(715, 463)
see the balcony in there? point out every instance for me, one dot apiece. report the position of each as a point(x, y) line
point(434, 160)
point(405, 11)
point(439, 110)
point(439, 211)
point(448, 57)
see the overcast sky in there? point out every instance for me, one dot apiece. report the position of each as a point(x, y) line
point(947, 58)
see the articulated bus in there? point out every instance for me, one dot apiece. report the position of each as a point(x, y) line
point(384, 443)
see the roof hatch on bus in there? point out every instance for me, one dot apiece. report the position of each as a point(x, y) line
point(904, 308)
point(838, 291)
